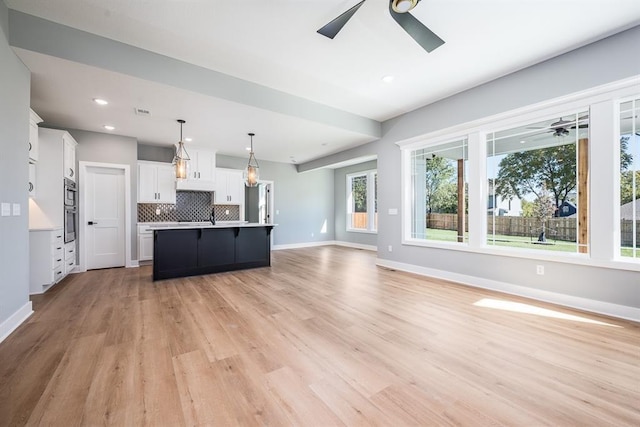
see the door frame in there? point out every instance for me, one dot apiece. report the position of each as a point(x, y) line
point(272, 202)
point(82, 228)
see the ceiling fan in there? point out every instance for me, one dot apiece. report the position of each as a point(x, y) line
point(399, 10)
point(562, 127)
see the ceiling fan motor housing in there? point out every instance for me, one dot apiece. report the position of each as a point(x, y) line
point(403, 6)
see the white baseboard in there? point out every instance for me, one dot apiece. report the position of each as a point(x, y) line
point(356, 245)
point(303, 245)
point(15, 320)
point(600, 307)
point(325, 243)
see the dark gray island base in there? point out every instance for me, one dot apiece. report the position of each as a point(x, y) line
point(180, 252)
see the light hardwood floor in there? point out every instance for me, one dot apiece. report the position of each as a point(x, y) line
point(323, 337)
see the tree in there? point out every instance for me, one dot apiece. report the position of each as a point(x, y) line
point(528, 209)
point(543, 210)
point(550, 169)
point(626, 159)
point(359, 192)
point(626, 186)
point(440, 187)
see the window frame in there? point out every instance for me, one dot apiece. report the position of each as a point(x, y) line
point(370, 175)
point(604, 182)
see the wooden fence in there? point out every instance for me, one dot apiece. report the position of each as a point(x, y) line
point(557, 228)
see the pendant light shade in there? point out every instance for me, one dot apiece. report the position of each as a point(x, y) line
point(181, 159)
point(252, 172)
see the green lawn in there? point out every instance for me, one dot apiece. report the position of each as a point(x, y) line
point(519, 242)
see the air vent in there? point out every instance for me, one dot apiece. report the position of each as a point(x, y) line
point(142, 111)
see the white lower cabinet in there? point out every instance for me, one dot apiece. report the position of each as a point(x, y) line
point(145, 243)
point(46, 259)
point(69, 257)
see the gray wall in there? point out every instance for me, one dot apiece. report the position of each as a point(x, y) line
point(154, 153)
point(14, 173)
point(108, 148)
point(304, 200)
point(340, 212)
point(605, 61)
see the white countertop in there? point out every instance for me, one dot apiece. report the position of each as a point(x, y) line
point(189, 225)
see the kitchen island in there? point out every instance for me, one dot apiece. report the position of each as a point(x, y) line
point(194, 249)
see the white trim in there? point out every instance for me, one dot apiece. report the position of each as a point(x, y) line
point(325, 243)
point(134, 264)
point(82, 266)
point(15, 320)
point(356, 246)
point(371, 175)
point(548, 108)
point(600, 307)
point(303, 245)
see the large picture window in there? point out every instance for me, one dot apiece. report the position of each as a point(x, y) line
point(362, 203)
point(630, 179)
point(439, 192)
point(538, 185)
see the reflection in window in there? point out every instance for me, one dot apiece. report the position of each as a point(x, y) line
point(538, 185)
point(439, 192)
point(630, 179)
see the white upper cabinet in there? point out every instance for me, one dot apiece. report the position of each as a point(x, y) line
point(229, 187)
point(69, 156)
point(34, 119)
point(201, 171)
point(156, 183)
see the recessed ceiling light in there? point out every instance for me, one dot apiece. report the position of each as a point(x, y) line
point(100, 101)
point(523, 141)
point(388, 79)
point(108, 127)
point(248, 148)
point(188, 139)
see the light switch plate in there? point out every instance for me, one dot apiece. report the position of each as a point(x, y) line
point(5, 209)
point(16, 209)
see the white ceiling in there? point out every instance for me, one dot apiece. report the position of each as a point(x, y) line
point(275, 44)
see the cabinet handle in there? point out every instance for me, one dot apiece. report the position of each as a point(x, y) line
point(58, 260)
point(60, 236)
point(30, 146)
point(58, 249)
point(198, 174)
point(70, 172)
point(30, 187)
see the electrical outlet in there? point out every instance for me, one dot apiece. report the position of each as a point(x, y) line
point(540, 270)
point(390, 248)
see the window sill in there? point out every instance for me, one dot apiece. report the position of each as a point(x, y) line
point(550, 256)
point(358, 230)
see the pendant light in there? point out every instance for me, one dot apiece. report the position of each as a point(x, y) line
point(181, 159)
point(252, 172)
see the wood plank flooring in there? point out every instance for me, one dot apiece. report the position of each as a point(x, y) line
point(323, 337)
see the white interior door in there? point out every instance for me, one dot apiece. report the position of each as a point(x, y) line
point(105, 218)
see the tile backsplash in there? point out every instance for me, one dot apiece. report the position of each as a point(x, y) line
point(190, 206)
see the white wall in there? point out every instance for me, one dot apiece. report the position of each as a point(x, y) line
point(14, 230)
